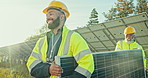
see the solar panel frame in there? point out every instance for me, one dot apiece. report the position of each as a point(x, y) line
point(127, 63)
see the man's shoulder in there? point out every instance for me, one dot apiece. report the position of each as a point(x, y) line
point(42, 38)
point(75, 33)
point(137, 43)
point(120, 41)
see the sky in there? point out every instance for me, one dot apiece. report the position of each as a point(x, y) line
point(20, 19)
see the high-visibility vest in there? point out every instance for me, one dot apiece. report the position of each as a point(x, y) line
point(123, 45)
point(72, 44)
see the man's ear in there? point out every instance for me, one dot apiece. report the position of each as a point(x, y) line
point(62, 17)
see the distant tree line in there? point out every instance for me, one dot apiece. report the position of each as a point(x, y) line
point(124, 8)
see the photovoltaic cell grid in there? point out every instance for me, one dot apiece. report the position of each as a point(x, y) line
point(114, 64)
point(122, 64)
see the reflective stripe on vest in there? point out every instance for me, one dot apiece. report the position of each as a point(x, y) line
point(67, 43)
point(81, 54)
point(40, 45)
point(83, 71)
point(37, 55)
point(139, 46)
point(34, 63)
point(121, 43)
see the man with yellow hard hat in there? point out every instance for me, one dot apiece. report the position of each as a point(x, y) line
point(129, 43)
point(58, 42)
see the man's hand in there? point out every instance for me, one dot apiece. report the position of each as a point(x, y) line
point(55, 69)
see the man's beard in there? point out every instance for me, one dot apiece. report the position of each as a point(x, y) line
point(54, 24)
point(131, 41)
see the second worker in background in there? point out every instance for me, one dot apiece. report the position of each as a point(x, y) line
point(130, 43)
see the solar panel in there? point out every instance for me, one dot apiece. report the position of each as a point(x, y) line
point(106, 34)
point(112, 64)
point(18, 50)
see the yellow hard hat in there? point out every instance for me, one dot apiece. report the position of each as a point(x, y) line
point(129, 30)
point(58, 4)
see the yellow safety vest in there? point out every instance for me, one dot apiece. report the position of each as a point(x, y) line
point(122, 45)
point(72, 44)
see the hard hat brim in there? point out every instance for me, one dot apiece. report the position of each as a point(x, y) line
point(129, 33)
point(46, 9)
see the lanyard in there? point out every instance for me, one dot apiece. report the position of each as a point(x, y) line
point(52, 47)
